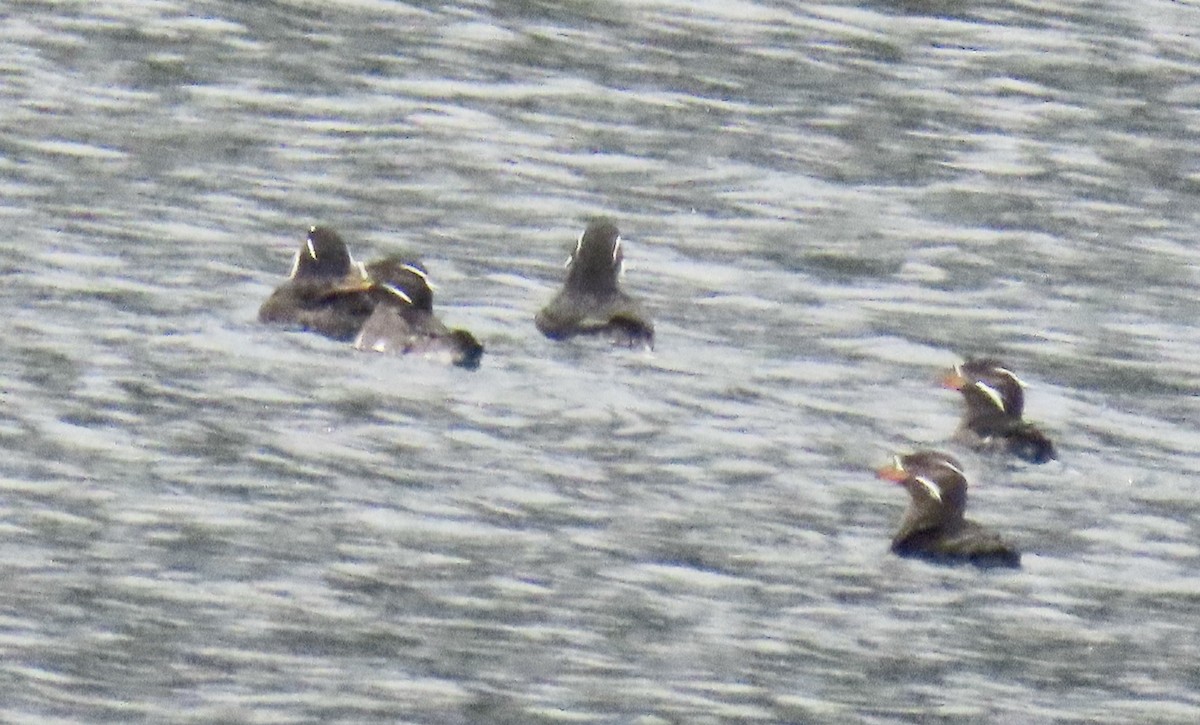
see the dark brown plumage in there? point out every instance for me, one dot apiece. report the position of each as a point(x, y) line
point(591, 301)
point(995, 401)
point(934, 526)
point(403, 322)
point(325, 291)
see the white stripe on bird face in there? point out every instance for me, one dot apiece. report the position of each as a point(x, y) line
point(578, 247)
point(420, 273)
point(934, 492)
point(993, 394)
point(416, 270)
point(397, 291)
point(1012, 375)
point(952, 467)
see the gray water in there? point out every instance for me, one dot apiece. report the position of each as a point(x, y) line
point(206, 520)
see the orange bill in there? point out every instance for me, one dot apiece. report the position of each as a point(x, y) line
point(953, 379)
point(893, 472)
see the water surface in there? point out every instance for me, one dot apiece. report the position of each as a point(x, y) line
point(204, 519)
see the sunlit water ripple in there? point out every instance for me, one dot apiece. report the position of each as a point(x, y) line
point(206, 520)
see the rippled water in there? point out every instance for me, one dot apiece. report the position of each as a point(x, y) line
point(206, 520)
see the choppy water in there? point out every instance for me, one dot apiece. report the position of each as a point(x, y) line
point(205, 520)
